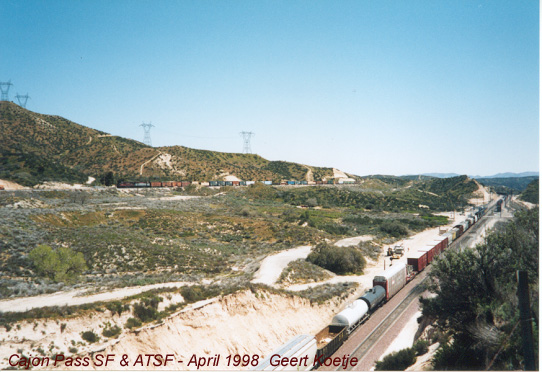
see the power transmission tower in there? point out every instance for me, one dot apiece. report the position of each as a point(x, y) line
point(22, 99)
point(246, 142)
point(147, 129)
point(4, 87)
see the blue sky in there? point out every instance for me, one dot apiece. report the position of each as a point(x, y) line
point(389, 87)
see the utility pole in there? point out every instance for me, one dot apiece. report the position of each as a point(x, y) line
point(147, 129)
point(246, 141)
point(4, 87)
point(22, 99)
point(526, 320)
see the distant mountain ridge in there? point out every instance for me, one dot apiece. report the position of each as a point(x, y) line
point(498, 175)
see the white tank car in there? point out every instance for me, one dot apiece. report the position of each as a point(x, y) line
point(352, 316)
point(298, 347)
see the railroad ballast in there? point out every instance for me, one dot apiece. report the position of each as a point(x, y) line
point(385, 286)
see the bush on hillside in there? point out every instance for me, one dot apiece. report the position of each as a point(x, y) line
point(397, 361)
point(340, 260)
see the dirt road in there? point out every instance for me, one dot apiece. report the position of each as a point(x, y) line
point(76, 297)
point(272, 266)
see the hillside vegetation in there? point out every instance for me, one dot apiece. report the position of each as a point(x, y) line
point(148, 236)
point(475, 306)
point(530, 194)
point(508, 184)
point(36, 148)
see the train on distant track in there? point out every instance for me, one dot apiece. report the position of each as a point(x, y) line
point(317, 350)
point(155, 184)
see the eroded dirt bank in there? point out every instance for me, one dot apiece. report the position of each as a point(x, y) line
point(247, 322)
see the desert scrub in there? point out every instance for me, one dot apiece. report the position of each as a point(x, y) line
point(322, 293)
point(111, 331)
point(301, 271)
point(370, 249)
point(340, 260)
point(397, 361)
point(90, 336)
point(132, 323)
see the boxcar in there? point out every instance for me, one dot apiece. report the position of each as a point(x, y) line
point(392, 279)
point(418, 260)
point(430, 253)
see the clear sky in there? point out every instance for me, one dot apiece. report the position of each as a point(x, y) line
point(366, 86)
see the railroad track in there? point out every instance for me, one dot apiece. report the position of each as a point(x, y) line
point(364, 348)
point(380, 330)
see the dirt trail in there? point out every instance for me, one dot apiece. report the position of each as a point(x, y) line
point(309, 176)
point(346, 242)
point(148, 161)
point(272, 266)
point(8, 185)
point(76, 297)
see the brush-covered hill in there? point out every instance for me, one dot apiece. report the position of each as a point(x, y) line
point(35, 148)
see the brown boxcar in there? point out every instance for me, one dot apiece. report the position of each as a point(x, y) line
point(418, 260)
point(156, 184)
point(430, 253)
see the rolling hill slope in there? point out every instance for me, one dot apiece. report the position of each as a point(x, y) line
point(36, 148)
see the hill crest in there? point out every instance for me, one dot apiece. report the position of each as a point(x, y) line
point(37, 148)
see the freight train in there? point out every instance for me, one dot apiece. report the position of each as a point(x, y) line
point(154, 184)
point(316, 350)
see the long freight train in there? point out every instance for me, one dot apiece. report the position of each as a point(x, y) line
point(313, 351)
point(155, 184)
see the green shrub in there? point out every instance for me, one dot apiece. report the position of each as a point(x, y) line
point(397, 361)
point(145, 313)
point(340, 260)
point(394, 229)
point(133, 323)
point(421, 347)
point(111, 331)
point(90, 336)
point(62, 264)
point(197, 293)
point(116, 307)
